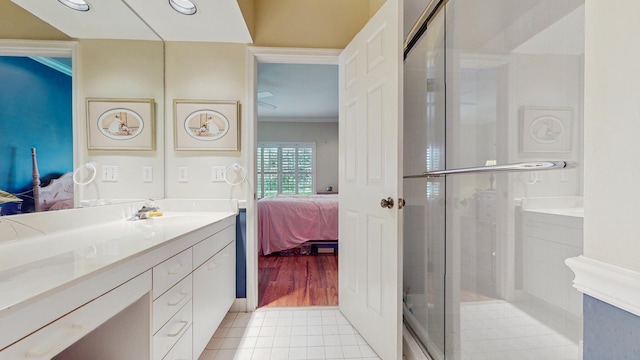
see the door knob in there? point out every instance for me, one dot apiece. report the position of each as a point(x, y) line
point(387, 203)
point(401, 203)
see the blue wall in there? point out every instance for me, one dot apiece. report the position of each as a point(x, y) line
point(35, 111)
point(609, 332)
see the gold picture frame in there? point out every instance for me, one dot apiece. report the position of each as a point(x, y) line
point(120, 124)
point(206, 125)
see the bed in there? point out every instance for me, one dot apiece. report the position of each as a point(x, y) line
point(57, 195)
point(287, 221)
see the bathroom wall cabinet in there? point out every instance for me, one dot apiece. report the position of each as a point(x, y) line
point(166, 300)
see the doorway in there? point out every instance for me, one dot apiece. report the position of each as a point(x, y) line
point(297, 183)
point(271, 56)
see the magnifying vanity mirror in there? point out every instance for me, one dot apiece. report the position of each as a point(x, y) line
point(43, 104)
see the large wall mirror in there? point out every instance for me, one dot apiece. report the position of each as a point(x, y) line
point(118, 60)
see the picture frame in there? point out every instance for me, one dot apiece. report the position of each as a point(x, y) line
point(206, 125)
point(120, 124)
point(546, 129)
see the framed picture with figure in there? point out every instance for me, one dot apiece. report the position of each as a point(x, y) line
point(120, 124)
point(206, 125)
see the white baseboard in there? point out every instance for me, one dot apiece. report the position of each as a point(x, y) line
point(239, 305)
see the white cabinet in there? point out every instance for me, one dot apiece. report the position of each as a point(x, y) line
point(213, 286)
point(169, 272)
point(182, 350)
point(169, 312)
point(172, 331)
point(61, 334)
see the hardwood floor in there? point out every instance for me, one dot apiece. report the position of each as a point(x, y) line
point(298, 280)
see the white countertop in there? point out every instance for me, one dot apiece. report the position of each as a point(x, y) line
point(34, 266)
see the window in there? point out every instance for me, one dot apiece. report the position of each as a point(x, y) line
point(286, 168)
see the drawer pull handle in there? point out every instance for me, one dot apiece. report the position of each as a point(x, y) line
point(212, 265)
point(176, 269)
point(182, 296)
point(39, 353)
point(184, 325)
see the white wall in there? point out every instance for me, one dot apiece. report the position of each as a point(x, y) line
point(325, 135)
point(612, 129)
point(121, 69)
point(204, 71)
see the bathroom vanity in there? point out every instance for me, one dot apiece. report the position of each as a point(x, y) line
point(87, 283)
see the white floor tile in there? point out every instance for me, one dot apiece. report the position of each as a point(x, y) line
point(315, 352)
point(333, 352)
point(283, 331)
point(281, 341)
point(298, 353)
point(315, 340)
point(351, 352)
point(314, 330)
point(264, 342)
point(289, 334)
point(298, 341)
point(214, 343)
point(348, 340)
point(261, 354)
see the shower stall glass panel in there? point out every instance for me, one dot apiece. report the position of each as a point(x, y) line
point(424, 213)
point(489, 84)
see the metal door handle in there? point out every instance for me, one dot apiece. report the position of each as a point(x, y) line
point(387, 203)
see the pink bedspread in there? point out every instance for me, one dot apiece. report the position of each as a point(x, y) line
point(286, 221)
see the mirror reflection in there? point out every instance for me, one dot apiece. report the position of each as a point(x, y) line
point(43, 113)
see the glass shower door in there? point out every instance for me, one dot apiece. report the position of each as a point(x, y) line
point(424, 213)
point(491, 84)
point(513, 94)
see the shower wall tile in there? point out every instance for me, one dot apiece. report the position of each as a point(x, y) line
point(609, 332)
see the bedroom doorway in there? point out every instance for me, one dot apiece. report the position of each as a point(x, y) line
point(296, 156)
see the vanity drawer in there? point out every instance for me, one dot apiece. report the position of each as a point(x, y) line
point(212, 245)
point(183, 349)
point(172, 331)
point(64, 332)
point(171, 301)
point(169, 272)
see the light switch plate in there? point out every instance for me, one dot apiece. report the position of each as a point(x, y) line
point(109, 173)
point(147, 174)
point(217, 173)
point(183, 176)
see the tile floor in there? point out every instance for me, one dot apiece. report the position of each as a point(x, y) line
point(498, 330)
point(287, 333)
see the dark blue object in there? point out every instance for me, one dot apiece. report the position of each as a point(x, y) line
point(241, 254)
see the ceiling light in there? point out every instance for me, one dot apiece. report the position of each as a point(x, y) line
point(185, 7)
point(79, 5)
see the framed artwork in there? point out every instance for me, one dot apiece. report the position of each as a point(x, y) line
point(206, 125)
point(120, 124)
point(545, 129)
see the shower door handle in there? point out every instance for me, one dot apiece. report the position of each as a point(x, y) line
point(524, 166)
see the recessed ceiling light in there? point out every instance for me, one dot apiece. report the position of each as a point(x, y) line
point(185, 7)
point(79, 5)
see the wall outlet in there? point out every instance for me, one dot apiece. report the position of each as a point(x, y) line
point(217, 173)
point(147, 174)
point(109, 173)
point(183, 177)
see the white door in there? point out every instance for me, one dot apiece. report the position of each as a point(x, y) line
point(370, 93)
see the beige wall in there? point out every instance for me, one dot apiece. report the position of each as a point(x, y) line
point(122, 69)
point(325, 135)
point(208, 71)
point(309, 23)
point(17, 23)
point(612, 125)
